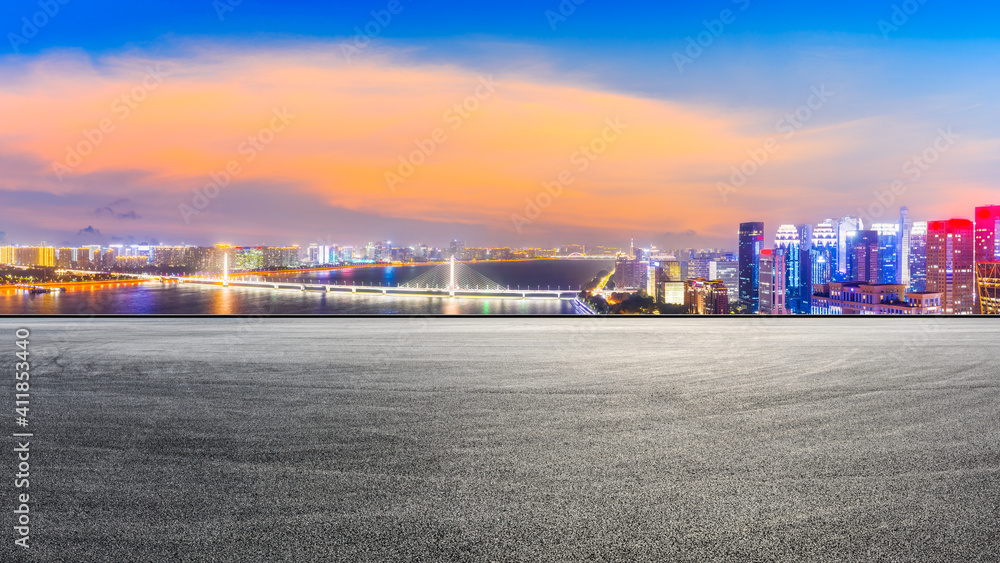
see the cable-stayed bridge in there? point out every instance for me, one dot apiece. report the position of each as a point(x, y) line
point(452, 279)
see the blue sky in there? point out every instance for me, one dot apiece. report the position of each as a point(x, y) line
point(98, 25)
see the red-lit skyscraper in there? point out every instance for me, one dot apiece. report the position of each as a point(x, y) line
point(951, 265)
point(987, 225)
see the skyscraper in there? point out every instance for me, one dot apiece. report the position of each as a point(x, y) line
point(751, 243)
point(772, 283)
point(845, 226)
point(787, 243)
point(951, 265)
point(888, 256)
point(904, 229)
point(862, 256)
point(987, 227)
point(805, 290)
point(823, 254)
point(918, 256)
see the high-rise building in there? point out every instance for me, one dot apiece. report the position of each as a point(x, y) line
point(823, 254)
point(457, 249)
point(888, 256)
point(903, 232)
point(845, 226)
point(788, 243)
point(64, 258)
point(772, 283)
point(750, 246)
point(987, 229)
point(862, 258)
point(728, 271)
point(248, 259)
point(35, 256)
point(950, 264)
point(918, 256)
point(988, 278)
point(706, 297)
point(630, 274)
point(699, 268)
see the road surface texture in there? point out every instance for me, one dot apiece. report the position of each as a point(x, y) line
point(503, 439)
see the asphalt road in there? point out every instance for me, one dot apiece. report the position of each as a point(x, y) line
point(472, 439)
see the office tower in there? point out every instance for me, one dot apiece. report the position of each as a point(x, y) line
point(728, 271)
point(988, 279)
point(672, 270)
point(987, 227)
point(887, 256)
point(951, 265)
point(803, 303)
point(706, 297)
point(845, 226)
point(750, 246)
point(862, 256)
point(699, 268)
point(905, 228)
point(772, 283)
point(787, 243)
point(918, 256)
point(823, 254)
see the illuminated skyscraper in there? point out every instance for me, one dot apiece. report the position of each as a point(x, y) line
point(823, 254)
point(787, 243)
point(888, 256)
point(903, 232)
point(950, 264)
point(918, 256)
point(845, 226)
point(728, 272)
point(862, 258)
point(772, 283)
point(751, 244)
point(987, 228)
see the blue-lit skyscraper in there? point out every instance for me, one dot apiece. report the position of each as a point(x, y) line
point(862, 256)
point(888, 255)
point(787, 243)
point(751, 244)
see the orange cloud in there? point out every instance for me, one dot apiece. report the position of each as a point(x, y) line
point(435, 142)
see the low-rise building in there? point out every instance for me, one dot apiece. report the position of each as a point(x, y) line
point(861, 298)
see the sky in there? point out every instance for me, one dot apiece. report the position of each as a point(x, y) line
point(500, 124)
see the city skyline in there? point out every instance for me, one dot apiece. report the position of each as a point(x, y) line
point(581, 123)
